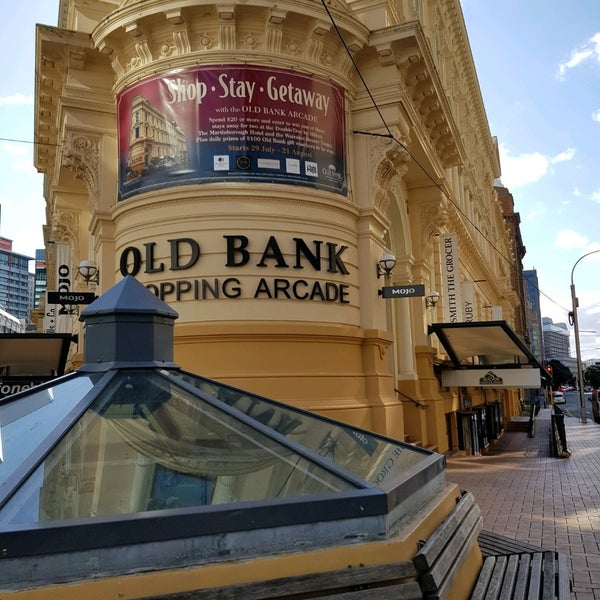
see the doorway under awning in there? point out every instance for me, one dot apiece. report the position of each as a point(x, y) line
point(487, 354)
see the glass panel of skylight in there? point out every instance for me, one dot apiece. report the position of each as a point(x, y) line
point(27, 420)
point(147, 444)
point(371, 457)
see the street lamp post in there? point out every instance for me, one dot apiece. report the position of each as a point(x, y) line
point(575, 302)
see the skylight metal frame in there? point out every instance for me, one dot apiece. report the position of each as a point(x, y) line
point(366, 502)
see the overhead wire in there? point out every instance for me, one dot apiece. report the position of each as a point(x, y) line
point(15, 141)
point(390, 135)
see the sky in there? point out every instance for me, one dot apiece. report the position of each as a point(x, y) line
point(538, 65)
point(21, 186)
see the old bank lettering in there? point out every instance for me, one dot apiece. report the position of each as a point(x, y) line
point(286, 256)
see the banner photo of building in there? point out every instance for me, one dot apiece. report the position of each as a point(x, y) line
point(223, 123)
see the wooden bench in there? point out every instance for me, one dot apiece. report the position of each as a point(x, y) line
point(440, 558)
point(428, 576)
point(395, 581)
point(539, 575)
point(494, 544)
point(514, 570)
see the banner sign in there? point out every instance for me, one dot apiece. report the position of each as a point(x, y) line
point(64, 273)
point(403, 291)
point(68, 298)
point(500, 378)
point(468, 299)
point(452, 303)
point(231, 123)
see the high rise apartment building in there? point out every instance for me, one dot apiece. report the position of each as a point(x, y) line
point(40, 276)
point(556, 341)
point(14, 281)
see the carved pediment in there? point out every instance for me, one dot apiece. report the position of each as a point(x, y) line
point(389, 162)
point(80, 155)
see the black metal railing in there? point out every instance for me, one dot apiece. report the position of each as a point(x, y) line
point(558, 435)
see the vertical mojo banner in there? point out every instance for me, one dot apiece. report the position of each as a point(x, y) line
point(231, 123)
point(453, 306)
point(64, 273)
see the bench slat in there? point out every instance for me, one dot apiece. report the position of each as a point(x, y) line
point(439, 578)
point(535, 577)
point(549, 577)
point(428, 554)
point(484, 578)
point(460, 559)
point(329, 584)
point(510, 578)
point(563, 584)
point(497, 578)
point(522, 577)
point(447, 558)
point(403, 591)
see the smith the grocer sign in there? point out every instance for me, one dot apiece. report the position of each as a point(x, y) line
point(287, 257)
point(226, 122)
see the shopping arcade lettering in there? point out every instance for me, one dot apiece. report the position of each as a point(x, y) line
point(185, 253)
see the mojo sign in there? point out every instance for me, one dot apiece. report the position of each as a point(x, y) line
point(291, 256)
point(402, 291)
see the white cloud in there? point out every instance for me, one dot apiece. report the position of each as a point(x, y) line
point(595, 196)
point(563, 156)
point(24, 166)
point(596, 116)
point(533, 215)
point(527, 168)
point(16, 149)
point(590, 50)
point(17, 98)
point(567, 238)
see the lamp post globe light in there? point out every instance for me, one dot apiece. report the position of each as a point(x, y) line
point(575, 303)
point(385, 265)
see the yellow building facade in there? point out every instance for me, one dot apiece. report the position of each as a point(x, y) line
point(251, 162)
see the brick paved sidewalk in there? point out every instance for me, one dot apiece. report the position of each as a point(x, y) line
point(527, 495)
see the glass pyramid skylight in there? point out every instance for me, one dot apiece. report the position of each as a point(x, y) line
point(134, 452)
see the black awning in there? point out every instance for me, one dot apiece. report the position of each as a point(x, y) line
point(486, 345)
point(33, 354)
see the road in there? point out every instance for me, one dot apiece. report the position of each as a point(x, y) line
point(571, 406)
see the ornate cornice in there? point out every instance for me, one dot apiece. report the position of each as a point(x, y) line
point(64, 228)
point(389, 161)
point(142, 38)
point(81, 156)
point(435, 219)
point(407, 47)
